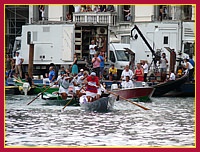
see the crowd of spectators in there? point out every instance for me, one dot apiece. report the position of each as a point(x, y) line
point(93, 8)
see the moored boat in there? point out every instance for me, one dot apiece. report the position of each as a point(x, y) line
point(165, 87)
point(140, 93)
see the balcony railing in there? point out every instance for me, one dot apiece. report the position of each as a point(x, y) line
point(96, 17)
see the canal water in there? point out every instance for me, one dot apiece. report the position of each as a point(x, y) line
point(170, 122)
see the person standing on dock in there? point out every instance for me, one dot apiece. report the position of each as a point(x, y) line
point(96, 64)
point(92, 49)
point(101, 57)
point(163, 67)
point(139, 73)
point(74, 65)
point(189, 69)
point(145, 68)
point(18, 64)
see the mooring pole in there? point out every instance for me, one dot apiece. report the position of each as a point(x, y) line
point(31, 55)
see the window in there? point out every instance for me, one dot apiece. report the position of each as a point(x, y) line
point(112, 56)
point(165, 39)
point(121, 55)
point(125, 39)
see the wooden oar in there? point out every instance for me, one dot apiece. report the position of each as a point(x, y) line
point(68, 103)
point(17, 79)
point(125, 99)
point(70, 100)
point(41, 93)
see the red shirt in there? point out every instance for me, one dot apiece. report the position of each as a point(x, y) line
point(139, 75)
point(94, 81)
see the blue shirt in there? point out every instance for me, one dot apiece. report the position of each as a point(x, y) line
point(192, 62)
point(51, 74)
point(102, 61)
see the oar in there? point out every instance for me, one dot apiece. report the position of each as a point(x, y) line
point(70, 100)
point(17, 79)
point(68, 103)
point(41, 93)
point(125, 99)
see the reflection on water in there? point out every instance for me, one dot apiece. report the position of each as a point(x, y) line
point(170, 122)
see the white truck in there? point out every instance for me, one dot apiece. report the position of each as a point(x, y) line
point(120, 55)
point(57, 43)
point(150, 40)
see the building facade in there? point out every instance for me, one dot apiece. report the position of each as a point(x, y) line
point(120, 18)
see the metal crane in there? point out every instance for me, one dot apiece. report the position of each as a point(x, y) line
point(156, 57)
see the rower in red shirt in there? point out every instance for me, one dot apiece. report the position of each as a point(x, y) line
point(92, 87)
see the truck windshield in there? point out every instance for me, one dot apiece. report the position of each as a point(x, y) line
point(122, 55)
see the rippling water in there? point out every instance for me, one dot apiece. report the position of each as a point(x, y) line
point(170, 122)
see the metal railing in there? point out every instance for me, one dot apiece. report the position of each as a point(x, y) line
point(96, 17)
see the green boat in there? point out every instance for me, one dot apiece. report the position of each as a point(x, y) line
point(34, 89)
point(55, 99)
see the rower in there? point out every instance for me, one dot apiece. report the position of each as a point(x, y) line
point(92, 87)
point(65, 82)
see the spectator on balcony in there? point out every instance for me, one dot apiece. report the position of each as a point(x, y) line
point(41, 12)
point(128, 16)
point(102, 8)
point(111, 8)
point(95, 8)
point(88, 8)
point(160, 14)
point(77, 8)
point(165, 12)
point(68, 17)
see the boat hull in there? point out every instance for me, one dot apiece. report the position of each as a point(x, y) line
point(53, 99)
point(168, 86)
point(141, 93)
point(103, 104)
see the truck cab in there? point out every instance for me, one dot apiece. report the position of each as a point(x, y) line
point(120, 55)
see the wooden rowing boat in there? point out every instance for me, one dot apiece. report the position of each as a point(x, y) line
point(55, 99)
point(103, 104)
point(163, 88)
point(139, 93)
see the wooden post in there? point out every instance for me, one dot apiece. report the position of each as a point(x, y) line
point(31, 55)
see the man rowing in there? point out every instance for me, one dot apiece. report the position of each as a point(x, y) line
point(92, 87)
point(65, 83)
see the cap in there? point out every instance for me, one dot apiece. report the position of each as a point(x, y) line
point(93, 74)
point(81, 70)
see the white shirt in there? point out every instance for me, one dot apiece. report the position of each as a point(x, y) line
point(172, 76)
point(127, 73)
point(79, 79)
point(17, 60)
point(77, 8)
point(190, 66)
point(145, 67)
point(163, 63)
point(92, 51)
point(128, 84)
